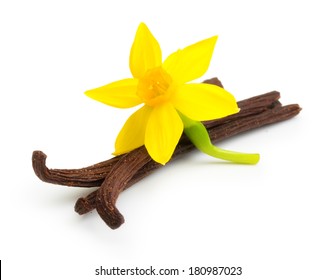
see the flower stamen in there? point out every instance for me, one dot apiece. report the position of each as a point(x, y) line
point(153, 88)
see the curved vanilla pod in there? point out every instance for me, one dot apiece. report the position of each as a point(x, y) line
point(198, 135)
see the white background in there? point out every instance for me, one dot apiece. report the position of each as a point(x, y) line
point(275, 219)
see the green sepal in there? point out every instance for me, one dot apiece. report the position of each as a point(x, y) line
point(198, 135)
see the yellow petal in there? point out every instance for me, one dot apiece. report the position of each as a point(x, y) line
point(120, 94)
point(164, 129)
point(203, 102)
point(191, 62)
point(132, 134)
point(145, 52)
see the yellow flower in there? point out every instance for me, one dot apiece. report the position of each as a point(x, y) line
point(165, 93)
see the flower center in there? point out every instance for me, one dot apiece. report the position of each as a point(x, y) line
point(153, 88)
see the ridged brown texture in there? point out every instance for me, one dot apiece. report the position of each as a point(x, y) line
point(118, 173)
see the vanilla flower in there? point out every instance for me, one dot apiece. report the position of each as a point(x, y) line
point(170, 103)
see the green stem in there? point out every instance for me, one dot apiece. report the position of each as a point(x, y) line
point(199, 136)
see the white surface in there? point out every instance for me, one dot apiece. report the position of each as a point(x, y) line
point(276, 219)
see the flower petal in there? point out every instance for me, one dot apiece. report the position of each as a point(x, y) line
point(191, 62)
point(145, 52)
point(164, 129)
point(132, 134)
point(120, 94)
point(203, 102)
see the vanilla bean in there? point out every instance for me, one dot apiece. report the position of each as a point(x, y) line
point(118, 173)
